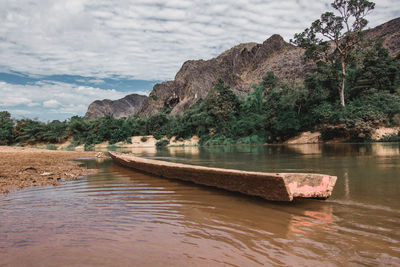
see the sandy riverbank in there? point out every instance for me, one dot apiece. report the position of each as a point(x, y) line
point(22, 167)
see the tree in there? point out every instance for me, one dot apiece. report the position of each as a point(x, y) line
point(30, 131)
point(333, 37)
point(6, 128)
point(270, 80)
point(379, 69)
point(221, 102)
point(55, 131)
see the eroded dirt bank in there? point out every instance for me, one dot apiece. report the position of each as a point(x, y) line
point(22, 167)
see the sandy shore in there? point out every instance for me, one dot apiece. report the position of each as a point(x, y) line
point(22, 167)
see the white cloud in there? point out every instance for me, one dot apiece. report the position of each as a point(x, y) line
point(21, 112)
point(96, 81)
point(56, 97)
point(52, 103)
point(144, 39)
point(15, 101)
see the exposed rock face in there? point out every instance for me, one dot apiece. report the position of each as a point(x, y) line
point(390, 33)
point(120, 108)
point(239, 67)
point(305, 138)
point(242, 66)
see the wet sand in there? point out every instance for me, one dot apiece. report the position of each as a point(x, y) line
point(22, 167)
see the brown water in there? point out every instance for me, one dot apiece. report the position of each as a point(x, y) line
point(124, 218)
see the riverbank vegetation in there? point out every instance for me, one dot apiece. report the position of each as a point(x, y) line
point(352, 89)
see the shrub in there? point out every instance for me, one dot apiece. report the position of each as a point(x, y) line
point(162, 143)
point(157, 135)
point(391, 138)
point(144, 139)
point(217, 139)
point(6, 128)
point(89, 147)
point(70, 147)
point(51, 147)
point(113, 147)
point(253, 139)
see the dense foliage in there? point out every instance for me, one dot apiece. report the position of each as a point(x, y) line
point(6, 128)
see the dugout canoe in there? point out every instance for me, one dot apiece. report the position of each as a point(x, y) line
point(270, 186)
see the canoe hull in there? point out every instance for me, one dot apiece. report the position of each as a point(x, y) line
point(270, 186)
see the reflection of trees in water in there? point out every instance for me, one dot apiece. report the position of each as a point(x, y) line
point(340, 150)
point(225, 152)
point(374, 149)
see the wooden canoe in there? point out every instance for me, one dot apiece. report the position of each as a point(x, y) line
point(270, 186)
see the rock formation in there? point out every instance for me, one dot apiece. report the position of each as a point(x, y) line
point(240, 67)
point(123, 107)
point(389, 32)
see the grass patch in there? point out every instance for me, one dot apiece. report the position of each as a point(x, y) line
point(51, 147)
point(70, 147)
point(113, 147)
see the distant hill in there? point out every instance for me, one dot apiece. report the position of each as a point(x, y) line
point(124, 107)
point(241, 66)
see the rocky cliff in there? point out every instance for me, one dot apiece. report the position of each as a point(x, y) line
point(389, 32)
point(124, 107)
point(241, 66)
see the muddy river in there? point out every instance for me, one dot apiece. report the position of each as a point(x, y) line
point(120, 217)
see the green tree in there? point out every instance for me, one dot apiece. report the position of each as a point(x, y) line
point(78, 128)
point(30, 131)
point(221, 102)
point(270, 80)
point(55, 131)
point(333, 37)
point(6, 128)
point(378, 71)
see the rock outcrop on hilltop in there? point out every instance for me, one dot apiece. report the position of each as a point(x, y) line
point(241, 66)
point(124, 107)
point(389, 32)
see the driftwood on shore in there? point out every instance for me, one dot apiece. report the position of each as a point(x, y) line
point(271, 186)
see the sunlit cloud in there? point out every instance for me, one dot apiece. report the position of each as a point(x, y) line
point(52, 103)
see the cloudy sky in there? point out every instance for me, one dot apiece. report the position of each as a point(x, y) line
point(57, 56)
